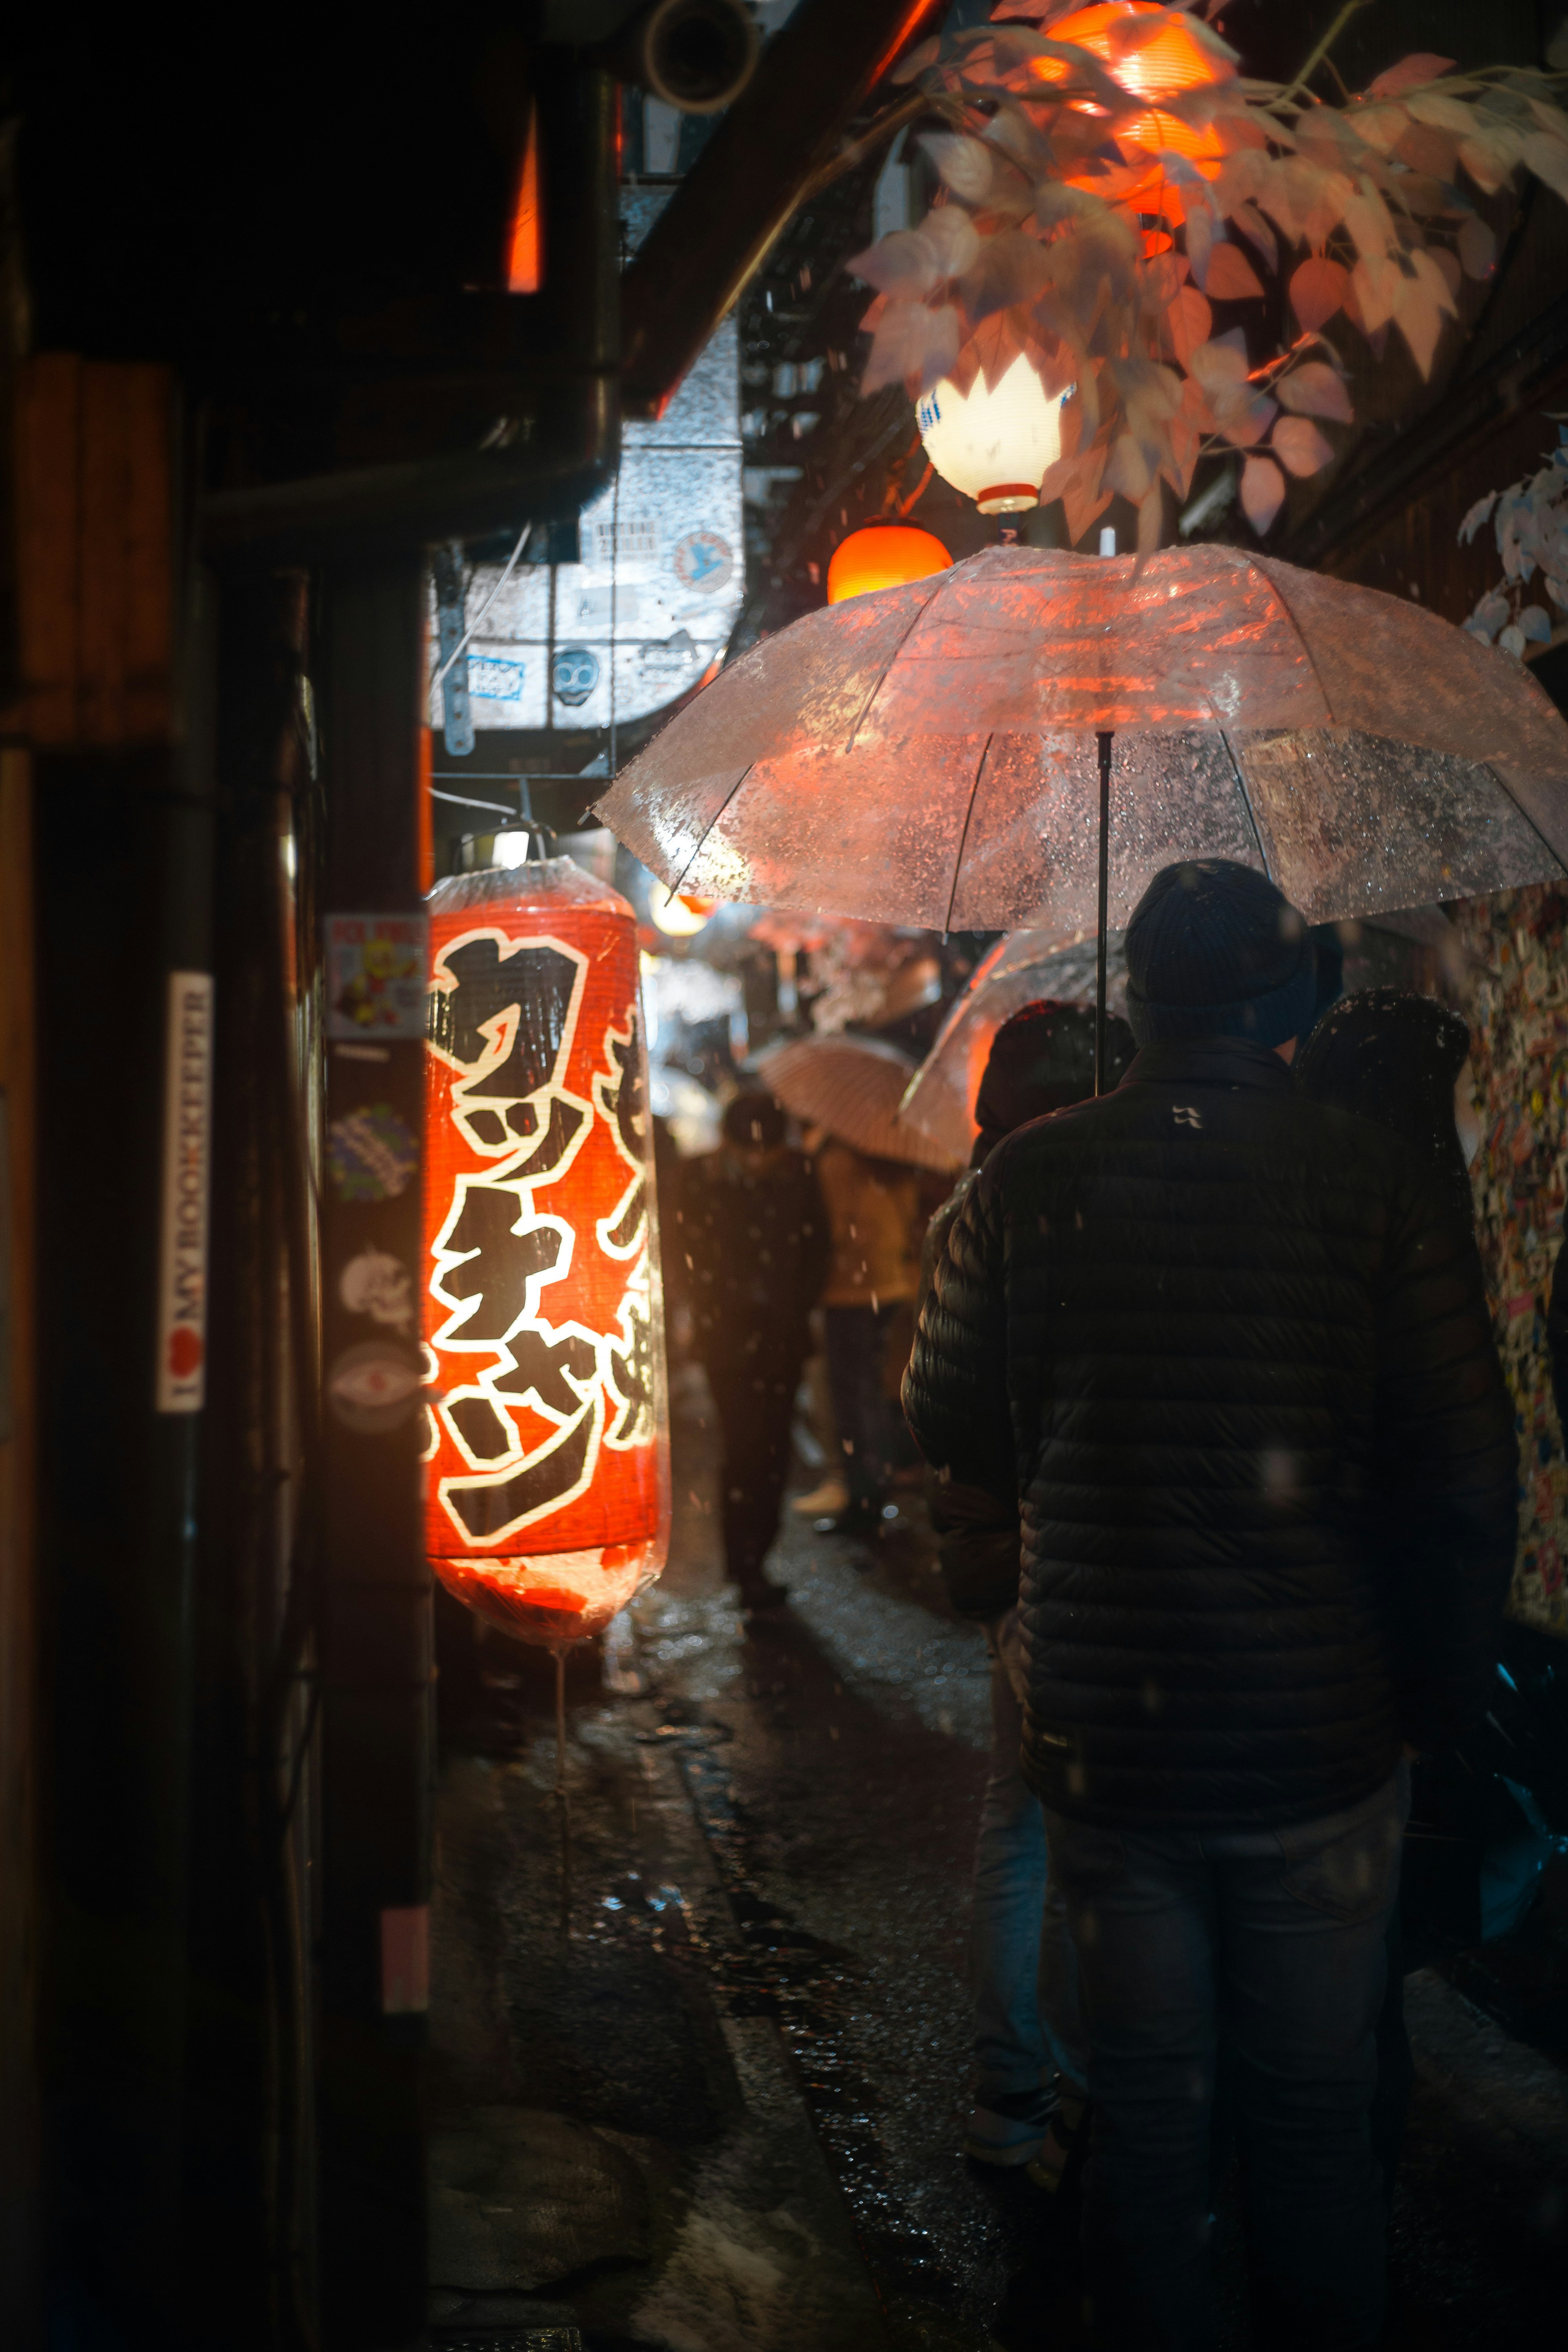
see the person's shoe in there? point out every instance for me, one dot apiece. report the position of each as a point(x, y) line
point(1010, 2128)
point(824, 1501)
point(1063, 2141)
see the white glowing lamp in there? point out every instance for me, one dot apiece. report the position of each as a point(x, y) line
point(995, 441)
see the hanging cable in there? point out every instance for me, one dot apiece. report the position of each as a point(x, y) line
point(463, 643)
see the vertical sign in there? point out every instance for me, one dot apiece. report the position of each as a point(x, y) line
point(180, 1374)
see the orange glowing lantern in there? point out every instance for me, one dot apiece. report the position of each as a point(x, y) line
point(547, 1451)
point(1174, 59)
point(883, 555)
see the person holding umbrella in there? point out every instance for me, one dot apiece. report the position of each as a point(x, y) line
point(1229, 1352)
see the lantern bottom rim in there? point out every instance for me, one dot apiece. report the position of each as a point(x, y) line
point(1008, 498)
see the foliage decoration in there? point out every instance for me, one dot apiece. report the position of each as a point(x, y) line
point(1531, 522)
point(1110, 177)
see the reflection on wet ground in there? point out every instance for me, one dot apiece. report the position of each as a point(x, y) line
point(722, 2115)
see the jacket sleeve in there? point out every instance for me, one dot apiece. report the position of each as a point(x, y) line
point(955, 1389)
point(1450, 1465)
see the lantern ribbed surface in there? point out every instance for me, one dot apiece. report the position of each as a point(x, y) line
point(547, 1495)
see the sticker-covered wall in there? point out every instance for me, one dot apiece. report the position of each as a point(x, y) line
point(1515, 997)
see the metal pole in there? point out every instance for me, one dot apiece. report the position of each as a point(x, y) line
point(1105, 744)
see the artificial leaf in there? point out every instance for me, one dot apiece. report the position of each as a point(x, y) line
point(952, 238)
point(1477, 247)
point(1492, 612)
point(1315, 389)
point(1231, 277)
point(1187, 324)
point(965, 164)
point(1377, 282)
point(1262, 492)
point(1512, 642)
point(1558, 591)
point(1299, 446)
point(1127, 469)
point(1446, 265)
point(1317, 291)
point(1428, 268)
point(1536, 624)
point(1409, 74)
point(903, 265)
point(1418, 313)
point(1255, 229)
point(1444, 113)
point(1200, 243)
point(1477, 515)
point(914, 346)
point(1371, 229)
point(1547, 159)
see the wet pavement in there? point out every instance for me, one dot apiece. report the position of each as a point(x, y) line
point(699, 2083)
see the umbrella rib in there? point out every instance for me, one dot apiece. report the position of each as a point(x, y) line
point(1236, 770)
point(712, 821)
point(1514, 802)
point(963, 837)
point(882, 673)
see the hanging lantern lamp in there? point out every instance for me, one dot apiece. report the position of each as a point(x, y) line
point(547, 1450)
point(1176, 59)
point(883, 555)
point(995, 441)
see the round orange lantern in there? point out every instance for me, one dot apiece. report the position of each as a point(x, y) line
point(883, 555)
point(547, 1450)
point(1176, 59)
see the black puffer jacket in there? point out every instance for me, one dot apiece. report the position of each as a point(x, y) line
point(1232, 1352)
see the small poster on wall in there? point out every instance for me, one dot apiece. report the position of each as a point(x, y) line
point(376, 976)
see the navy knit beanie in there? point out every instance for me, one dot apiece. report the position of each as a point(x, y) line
point(1215, 951)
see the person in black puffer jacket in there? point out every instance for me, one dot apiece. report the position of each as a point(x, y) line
point(1230, 1353)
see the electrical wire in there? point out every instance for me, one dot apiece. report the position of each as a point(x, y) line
point(463, 642)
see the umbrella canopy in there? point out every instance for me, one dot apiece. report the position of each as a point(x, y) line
point(939, 1101)
point(852, 1086)
point(928, 754)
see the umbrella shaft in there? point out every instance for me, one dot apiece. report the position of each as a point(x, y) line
point(1105, 742)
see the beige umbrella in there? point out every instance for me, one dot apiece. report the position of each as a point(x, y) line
point(852, 1086)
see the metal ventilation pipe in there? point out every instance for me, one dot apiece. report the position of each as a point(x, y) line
point(697, 55)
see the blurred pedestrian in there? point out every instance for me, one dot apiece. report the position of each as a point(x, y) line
point(873, 1214)
point(1029, 2057)
point(754, 1246)
point(1402, 1062)
point(1230, 1353)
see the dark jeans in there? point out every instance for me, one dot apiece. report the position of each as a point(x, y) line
point(1276, 1937)
point(868, 1422)
point(753, 1395)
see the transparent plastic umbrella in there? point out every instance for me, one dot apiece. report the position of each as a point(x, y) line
point(1020, 970)
point(933, 753)
point(852, 1086)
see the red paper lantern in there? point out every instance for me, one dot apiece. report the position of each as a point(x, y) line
point(883, 555)
point(547, 1460)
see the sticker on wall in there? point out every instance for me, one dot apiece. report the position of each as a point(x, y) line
point(374, 1387)
point(371, 1153)
point(179, 1383)
point(376, 976)
point(704, 561)
point(378, 1285)
point(573, 675)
